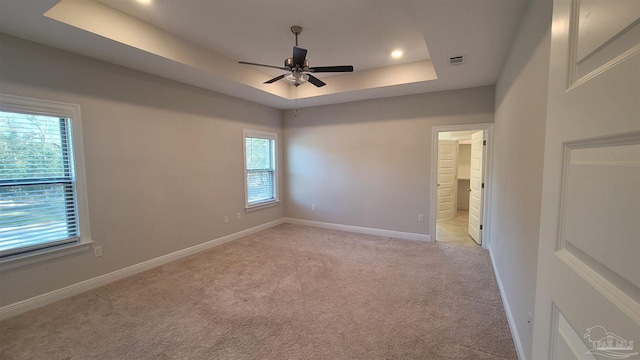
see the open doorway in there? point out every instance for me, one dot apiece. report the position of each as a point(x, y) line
point(459, 168)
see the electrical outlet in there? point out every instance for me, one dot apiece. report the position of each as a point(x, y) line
point(97, 251)
point(238, 216)
point(313, 207)
point(226, 219)
point(421, 217)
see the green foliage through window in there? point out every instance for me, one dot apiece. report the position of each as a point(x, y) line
point(260, 167)
point(37, 184)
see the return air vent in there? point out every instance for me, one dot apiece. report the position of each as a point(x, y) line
point(458, 60)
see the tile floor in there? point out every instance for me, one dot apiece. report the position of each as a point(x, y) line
point(455, 230)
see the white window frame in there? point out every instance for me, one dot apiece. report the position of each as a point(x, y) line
point(18, 104)
point(248, 133)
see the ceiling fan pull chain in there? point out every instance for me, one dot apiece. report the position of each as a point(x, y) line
point(295, 114)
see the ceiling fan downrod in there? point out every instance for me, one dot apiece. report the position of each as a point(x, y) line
point(296, 30)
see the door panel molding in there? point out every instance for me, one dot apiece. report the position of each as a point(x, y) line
point(447, 169)
point(565, 340)
point(619, 47)
point(587, 164)
point(607, 287)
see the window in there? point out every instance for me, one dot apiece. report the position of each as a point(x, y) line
point(260, 168)
point(39, 189)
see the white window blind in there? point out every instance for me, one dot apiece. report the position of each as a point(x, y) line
point(260, 166)
point(37, 183)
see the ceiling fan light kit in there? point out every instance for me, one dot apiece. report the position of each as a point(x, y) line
point(297, 79)
point(298, 66)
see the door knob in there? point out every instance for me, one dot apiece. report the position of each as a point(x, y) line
point(469, 190)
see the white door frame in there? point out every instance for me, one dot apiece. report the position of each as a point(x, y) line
point(486, 173)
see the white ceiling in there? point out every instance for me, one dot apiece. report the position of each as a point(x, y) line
point(199, 42)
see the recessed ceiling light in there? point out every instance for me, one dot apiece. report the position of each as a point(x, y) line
point(144, 1)
point(396, 54)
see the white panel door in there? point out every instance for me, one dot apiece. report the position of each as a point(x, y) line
point(447, 168)
point(588, 282)
point(475, 196)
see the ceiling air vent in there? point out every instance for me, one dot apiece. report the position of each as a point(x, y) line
point(457, 60)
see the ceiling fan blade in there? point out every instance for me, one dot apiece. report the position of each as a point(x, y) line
point(299, 55)
point(323, 69)
point(274, 79)
point(315, 81)
point(263, 65)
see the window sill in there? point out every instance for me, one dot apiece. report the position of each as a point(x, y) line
point(262, 206)
point(15, 261)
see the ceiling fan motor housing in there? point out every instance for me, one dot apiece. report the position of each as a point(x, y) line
point(288, 62)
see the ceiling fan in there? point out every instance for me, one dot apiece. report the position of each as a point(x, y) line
point(298, 66)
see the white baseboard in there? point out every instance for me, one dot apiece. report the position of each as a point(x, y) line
point(507, 309)
point(68, 291)
point(359, 229)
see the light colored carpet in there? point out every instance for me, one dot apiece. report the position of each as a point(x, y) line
point(290, 292)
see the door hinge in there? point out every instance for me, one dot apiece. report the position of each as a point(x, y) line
point(480, 227)
point(484, 142)
point(483, 185)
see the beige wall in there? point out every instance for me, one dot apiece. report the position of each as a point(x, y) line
point(464, 161)
point(163, 161)
point(463, 194)
point(519, 132)
point(464, 171)
point(367, 163)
